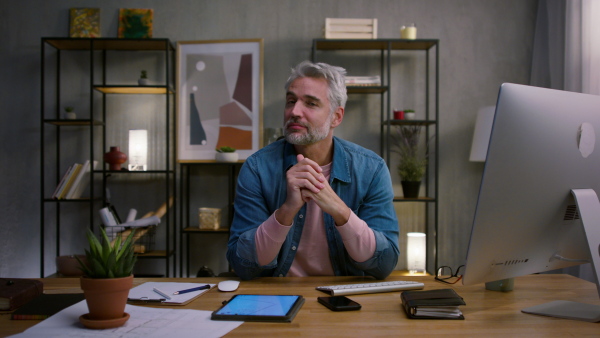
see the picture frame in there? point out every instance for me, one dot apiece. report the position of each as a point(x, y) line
point(219, 98)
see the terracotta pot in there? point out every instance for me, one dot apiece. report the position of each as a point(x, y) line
point(115, 158)
point(106, 297)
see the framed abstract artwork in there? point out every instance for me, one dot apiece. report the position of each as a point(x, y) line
point(219, 98)
point(135, 23)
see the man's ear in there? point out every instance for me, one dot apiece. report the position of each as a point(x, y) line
point(338, 116)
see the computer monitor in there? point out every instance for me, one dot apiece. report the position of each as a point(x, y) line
point(537, 208)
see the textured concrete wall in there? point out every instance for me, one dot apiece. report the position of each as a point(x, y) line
point(482, 44)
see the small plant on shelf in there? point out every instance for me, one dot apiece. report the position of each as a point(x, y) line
point(143, 80)
point(225, 149)
point(226, 154)
point(412, 165)
point(70, 113)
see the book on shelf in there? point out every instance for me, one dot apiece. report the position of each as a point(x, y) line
point(70, 180)
point(15, 292)
point(432, 304)
point(61, 184)
point(82, 180)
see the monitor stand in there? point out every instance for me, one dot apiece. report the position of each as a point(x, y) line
point(589, 211)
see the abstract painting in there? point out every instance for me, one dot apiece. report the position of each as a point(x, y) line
point(135, 23)
point(219, 89)
point(84, 23)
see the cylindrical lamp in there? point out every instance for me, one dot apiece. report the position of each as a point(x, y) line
point(416, 252)
point(138, 149)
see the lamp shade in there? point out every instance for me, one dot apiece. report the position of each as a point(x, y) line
point(138, 149)
point(481, 135)
point(416, 255)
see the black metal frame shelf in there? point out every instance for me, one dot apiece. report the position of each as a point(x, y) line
point(186, 229)
point(98, 119)
point(385, 47)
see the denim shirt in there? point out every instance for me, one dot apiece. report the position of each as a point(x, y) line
point(358, 176)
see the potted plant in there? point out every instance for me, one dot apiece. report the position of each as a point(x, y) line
point(143, 80)
point(226, 154)
point(69, 113)
point(412, 166)
point(107, 278)
point(409, 114)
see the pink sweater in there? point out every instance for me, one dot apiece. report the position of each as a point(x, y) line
point(312, 258)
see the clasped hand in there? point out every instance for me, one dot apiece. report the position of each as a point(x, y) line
point(305, 182)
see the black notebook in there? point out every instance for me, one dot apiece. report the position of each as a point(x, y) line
point(432, 304)
point(46, 305)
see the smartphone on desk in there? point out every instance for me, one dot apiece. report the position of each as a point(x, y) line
point(339, 303)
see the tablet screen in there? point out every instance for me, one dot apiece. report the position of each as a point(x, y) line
point(259, 305)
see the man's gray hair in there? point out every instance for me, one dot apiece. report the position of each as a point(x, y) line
point(335, 76)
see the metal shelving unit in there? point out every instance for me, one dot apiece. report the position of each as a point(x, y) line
point(96, 50)
point(382, 50)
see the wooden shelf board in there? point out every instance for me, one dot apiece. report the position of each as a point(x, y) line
point(207, 231)
point(154, 254)
point(410, 122)
point(418, 199)
point(366, 89)
point(374, 44)
point(109, 44)
point(133, 89)
point(76, 122)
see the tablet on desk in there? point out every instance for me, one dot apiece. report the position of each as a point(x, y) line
point(262, 308)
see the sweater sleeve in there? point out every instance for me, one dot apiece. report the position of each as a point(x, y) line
point(358, 238)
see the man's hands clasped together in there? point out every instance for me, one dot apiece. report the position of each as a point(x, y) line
point(306, 182)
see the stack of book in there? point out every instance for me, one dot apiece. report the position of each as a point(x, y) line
point(74, 181)
point(363, 80)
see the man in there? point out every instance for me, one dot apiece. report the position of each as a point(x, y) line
point(314, 204)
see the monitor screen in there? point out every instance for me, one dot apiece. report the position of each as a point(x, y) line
point(542, 154)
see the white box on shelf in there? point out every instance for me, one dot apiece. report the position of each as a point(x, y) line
point(350, 28)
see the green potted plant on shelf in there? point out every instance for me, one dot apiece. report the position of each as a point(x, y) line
point(412, 165)
point(226, 154)
point(107, 278)
point(70, 113)
point(409, 114)
point(143, 80)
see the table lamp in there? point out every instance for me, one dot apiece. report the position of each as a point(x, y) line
point(138, 149)
point(416, 252)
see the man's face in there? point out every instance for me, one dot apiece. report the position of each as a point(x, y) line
point(308, 116)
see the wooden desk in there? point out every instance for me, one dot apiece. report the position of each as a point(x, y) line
point(487, 313)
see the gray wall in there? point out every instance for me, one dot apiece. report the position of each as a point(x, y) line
point(482, 44)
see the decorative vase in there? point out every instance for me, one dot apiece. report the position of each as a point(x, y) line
point(227, 157)
point(106, 299)
point(410, 189)
point(115, 158)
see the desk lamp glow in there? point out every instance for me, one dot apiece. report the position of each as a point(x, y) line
point(138, 149)
point(416, 252)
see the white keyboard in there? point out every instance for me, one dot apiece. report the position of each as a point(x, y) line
point(355, 289)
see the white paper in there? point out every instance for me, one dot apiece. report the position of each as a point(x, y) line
point(144, 322)
point(146, 291)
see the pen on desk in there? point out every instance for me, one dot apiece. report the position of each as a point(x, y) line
point(203, 287)
point(161, 293)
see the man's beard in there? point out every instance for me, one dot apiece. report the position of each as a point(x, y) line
point(313, 135)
